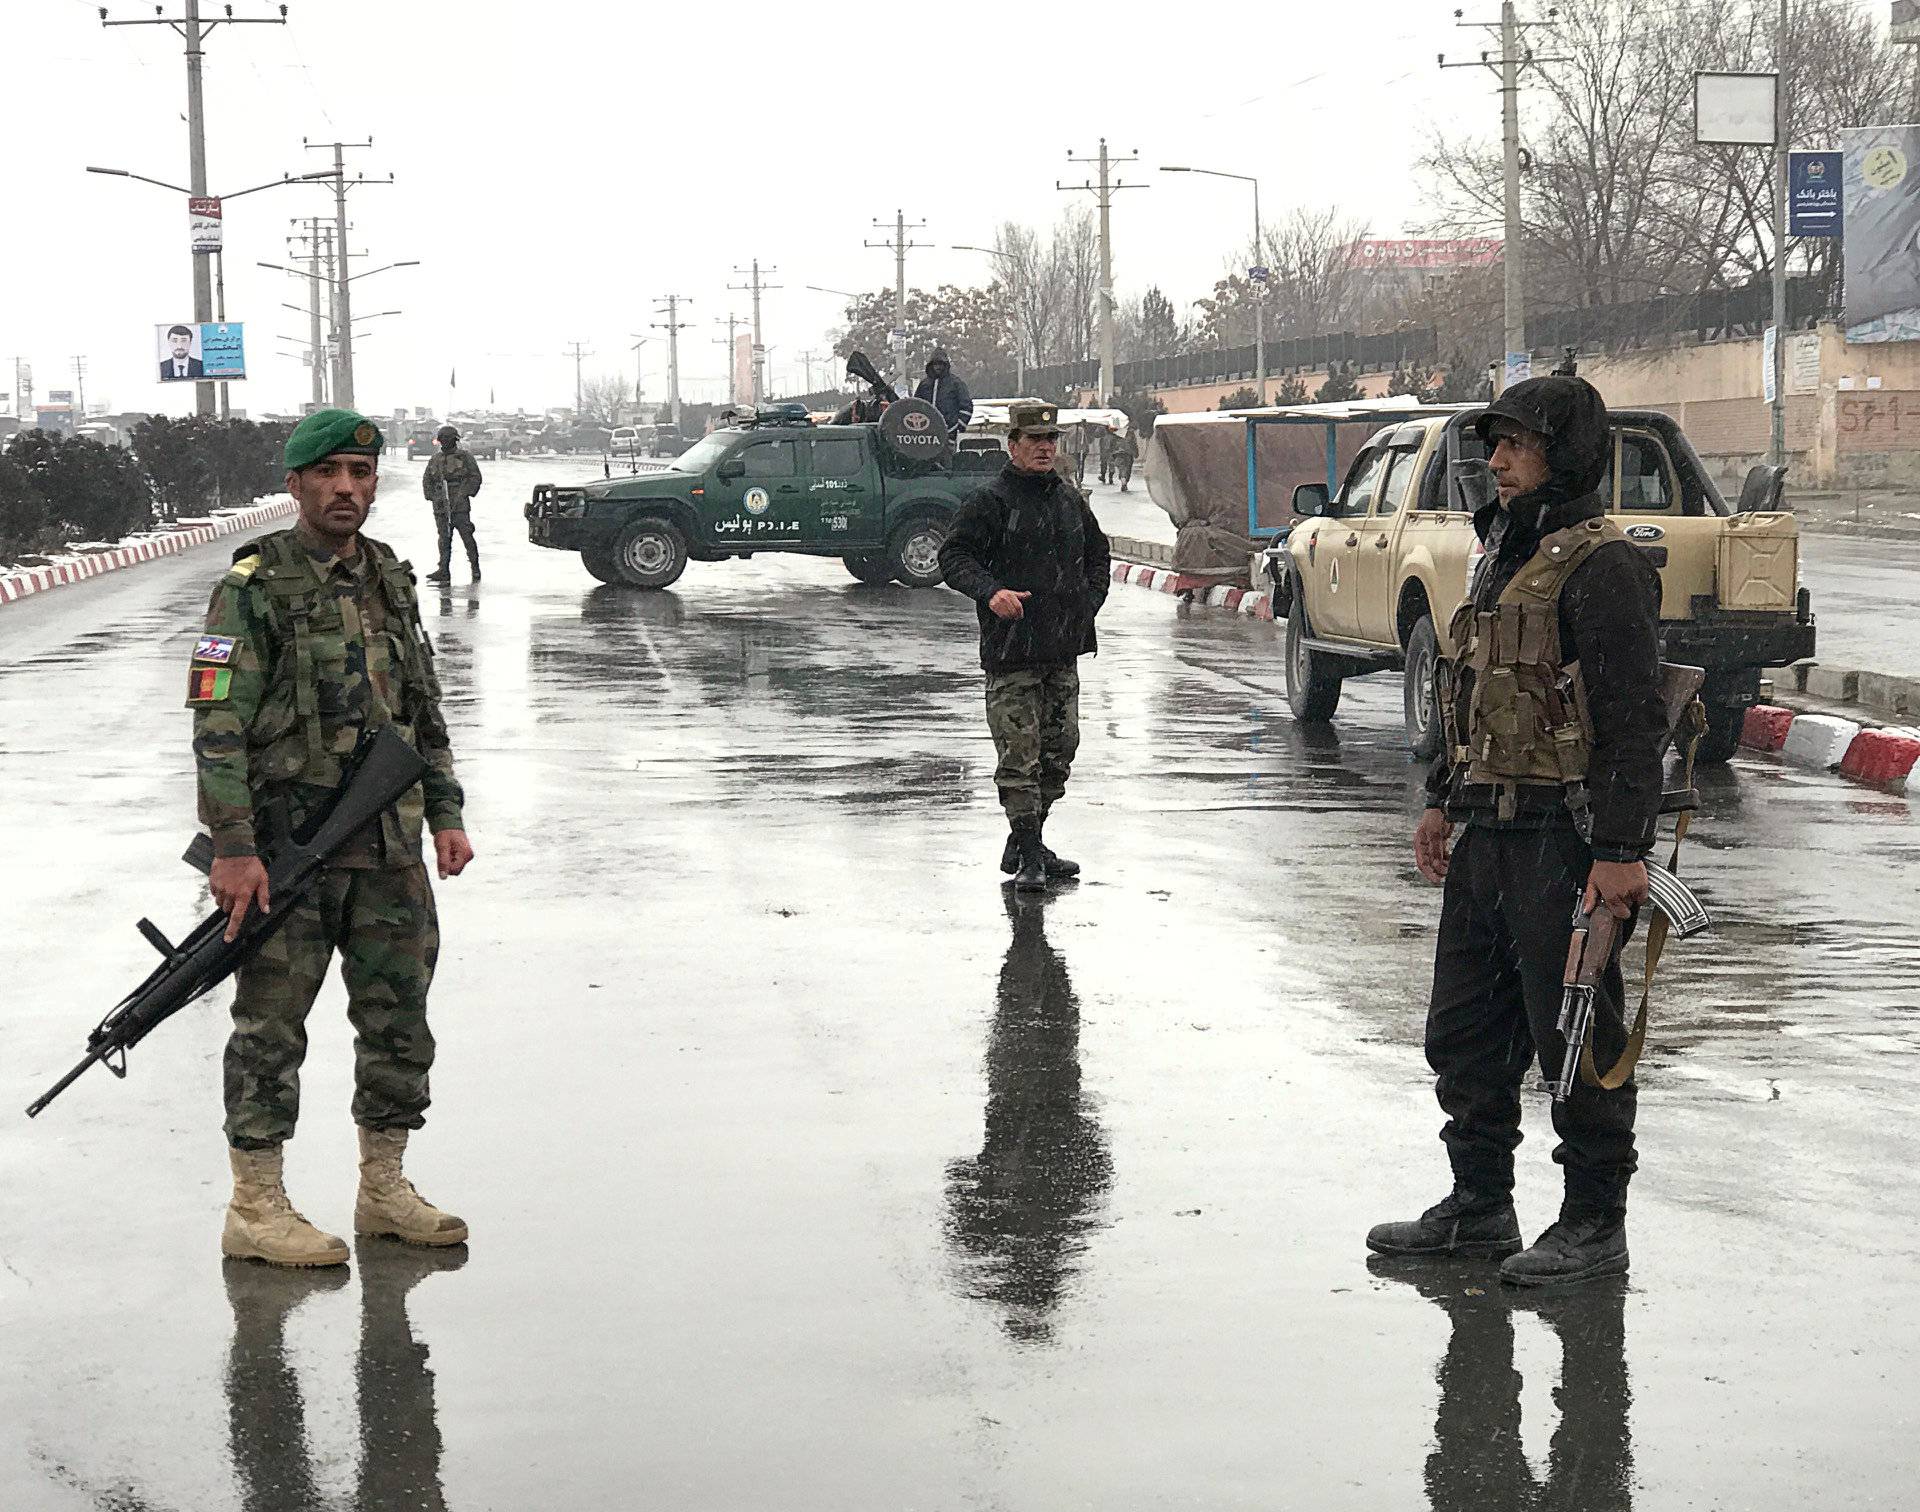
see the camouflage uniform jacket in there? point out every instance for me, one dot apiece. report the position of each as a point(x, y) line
point(302, 653)
point(459, 472)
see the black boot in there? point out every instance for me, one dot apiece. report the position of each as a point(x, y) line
point(1030, 856)
point(441, 574)
point(1464, 1223)
point(1057, 865)
point(1584, 1244)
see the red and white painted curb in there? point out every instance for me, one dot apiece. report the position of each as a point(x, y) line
point(79, 566)
point(1251, 602)
point(1887, 757)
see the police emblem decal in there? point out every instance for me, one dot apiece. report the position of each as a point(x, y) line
point(757, 501)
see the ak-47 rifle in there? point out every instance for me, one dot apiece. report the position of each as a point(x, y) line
point(1678, 912)
point(378, 774)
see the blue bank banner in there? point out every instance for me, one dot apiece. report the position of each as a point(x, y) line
point(1814, 206)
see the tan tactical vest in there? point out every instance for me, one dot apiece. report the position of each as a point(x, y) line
point(1515, 712)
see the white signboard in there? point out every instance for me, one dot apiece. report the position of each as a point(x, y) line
point(1769, 390)
point(204, 223)
point(1519, 368)
point(1803, 362)
point(1734, 109)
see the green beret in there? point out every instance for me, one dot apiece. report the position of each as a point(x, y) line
point(328, 432)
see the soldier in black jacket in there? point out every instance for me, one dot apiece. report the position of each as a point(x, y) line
point(1029, 553)
point(1553, 765)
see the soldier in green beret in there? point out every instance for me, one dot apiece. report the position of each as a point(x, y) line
point(312, 639)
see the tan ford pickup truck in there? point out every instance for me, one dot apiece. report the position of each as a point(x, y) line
point(1368, 582)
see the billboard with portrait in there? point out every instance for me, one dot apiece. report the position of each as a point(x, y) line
point(190, 352)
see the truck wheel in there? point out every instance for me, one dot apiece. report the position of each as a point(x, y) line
point(650, 554)
point(871, 570)
point(1422, 710)
point(600, 565)
point(1722, 735)
point(1313, 687)
point(915, 553)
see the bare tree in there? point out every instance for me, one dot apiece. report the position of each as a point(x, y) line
point(603, 397)
point(1620, 203)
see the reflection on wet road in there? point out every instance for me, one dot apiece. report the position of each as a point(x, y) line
point(805, 1173)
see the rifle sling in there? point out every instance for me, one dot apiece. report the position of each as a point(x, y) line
point(1616, 1077)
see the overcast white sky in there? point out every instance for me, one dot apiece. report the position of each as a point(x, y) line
point(560, 164)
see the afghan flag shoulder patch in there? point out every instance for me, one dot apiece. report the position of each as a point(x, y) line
point(207, 685)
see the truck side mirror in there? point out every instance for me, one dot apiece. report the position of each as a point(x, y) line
point(1473, 483)
point(732, 467)
point(1763, 489)
point(1310, 499)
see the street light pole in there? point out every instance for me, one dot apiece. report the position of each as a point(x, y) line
point(1778, 449)
point(1258, 273)
point(194, 33)
point(1013, 310)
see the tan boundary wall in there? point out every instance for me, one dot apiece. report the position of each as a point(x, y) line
point(1853, 418)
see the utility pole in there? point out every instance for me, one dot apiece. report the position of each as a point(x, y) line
point(899, 247)
point(23, 389)
point(1103, 193)
point(1778, 454)
point(806, 367)
point(80, 390)
point(342, 294)
point(673, 326)
point(1515, 58)
point(193, 31)
point(759, 347)
point(732, 323)
point(579, 353)
point(310, 238)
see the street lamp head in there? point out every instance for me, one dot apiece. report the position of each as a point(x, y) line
point(111, 172)
point(1171, 169)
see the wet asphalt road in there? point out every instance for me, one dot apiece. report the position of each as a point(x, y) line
point(804, 1172)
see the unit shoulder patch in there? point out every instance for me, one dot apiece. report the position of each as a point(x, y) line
point(215, 649)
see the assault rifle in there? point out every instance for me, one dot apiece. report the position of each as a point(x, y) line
point(1596, 936)
point(378, 774)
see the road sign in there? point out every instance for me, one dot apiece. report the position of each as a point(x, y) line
point(1259, 275)
point(1813, 194)
point(203, 222)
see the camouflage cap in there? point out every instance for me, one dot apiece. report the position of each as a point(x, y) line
point(326, 433)
point(446, 433)
point(1033, 420)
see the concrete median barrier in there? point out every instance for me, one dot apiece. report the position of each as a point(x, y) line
point(91, 561)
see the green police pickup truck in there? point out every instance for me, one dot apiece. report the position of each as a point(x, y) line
point(879, 497)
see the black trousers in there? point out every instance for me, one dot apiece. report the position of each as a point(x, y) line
point(1497, 975)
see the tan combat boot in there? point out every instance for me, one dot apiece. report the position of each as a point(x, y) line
point(262, 1224)
point(388, 1202)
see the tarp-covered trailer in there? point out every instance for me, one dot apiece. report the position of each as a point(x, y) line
point(1226, 477)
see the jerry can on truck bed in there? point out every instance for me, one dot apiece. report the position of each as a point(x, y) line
point(1758, 562)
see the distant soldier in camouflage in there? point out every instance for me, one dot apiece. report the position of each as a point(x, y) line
point(314, 639)
point(1029, 553)
point(450, 482)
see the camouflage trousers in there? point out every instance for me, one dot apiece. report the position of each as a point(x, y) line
point(1034, 715)
point(383, 923)
point(446, 522)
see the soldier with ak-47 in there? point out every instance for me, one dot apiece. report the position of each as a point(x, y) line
point(450, 482)
point(1556, 729)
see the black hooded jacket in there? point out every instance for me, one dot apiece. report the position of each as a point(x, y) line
point(1609, 622)
point(946, 393)
point(1033, 533)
